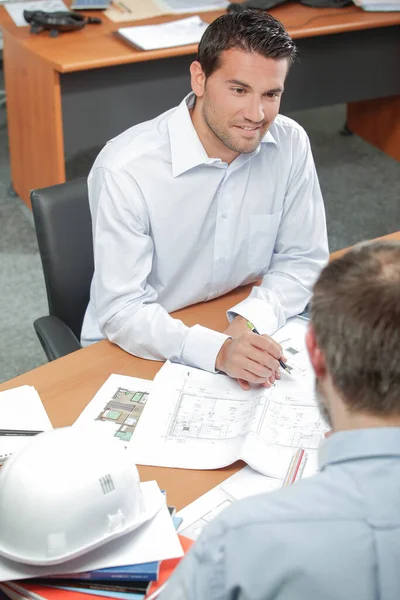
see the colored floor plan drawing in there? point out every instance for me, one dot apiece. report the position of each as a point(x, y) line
point(124, 411)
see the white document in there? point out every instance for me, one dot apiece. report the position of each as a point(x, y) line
point(16, 9)
point(119, 404)
point(188, 6)
point(242, 484)
point(165, 35)
point(155, 540)
point(200, 420)
point(20, 409)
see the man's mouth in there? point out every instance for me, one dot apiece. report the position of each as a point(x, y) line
point(246, 128)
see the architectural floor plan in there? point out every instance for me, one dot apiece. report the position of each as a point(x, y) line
point(199, 420)
point(119, 404)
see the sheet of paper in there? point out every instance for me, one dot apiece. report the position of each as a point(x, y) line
point(134, 10)
point(119, 404)
point(20, 409)
point(165, 35)
point(188, 6)
point(199, 420)
point(242, 484)
point(16, 9)
point(154, 541)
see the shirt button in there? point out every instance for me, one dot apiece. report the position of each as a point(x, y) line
point(224, 215)
point(222, 260)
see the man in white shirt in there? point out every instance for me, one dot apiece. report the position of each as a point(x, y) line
point(214, 194)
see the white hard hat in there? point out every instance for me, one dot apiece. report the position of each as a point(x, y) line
point(65, 493)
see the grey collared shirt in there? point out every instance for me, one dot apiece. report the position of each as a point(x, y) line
point(334, 536)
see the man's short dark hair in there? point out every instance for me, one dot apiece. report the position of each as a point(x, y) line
point(355, 313)
point(248, 30)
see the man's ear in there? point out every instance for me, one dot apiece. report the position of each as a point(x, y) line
point(197, 78)
point(316, 356)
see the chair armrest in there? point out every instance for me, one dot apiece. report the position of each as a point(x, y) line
point(56, 337)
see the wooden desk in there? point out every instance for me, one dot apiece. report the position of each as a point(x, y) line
point(68, 384)
point(73, 93)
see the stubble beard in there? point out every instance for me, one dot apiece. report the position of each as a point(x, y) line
point(322, 404)
point(228, 140)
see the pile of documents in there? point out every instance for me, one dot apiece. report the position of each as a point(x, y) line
point(378, 5)
point(125, 568)
point(166, 35)
point(130, 569)
point(188, 418)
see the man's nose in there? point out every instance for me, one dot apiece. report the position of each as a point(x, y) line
point(254, 110)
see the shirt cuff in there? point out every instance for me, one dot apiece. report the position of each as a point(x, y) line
point(258, 312)
point(201, 347)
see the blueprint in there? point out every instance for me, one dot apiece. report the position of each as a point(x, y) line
point(200, 420)
point(119, 404)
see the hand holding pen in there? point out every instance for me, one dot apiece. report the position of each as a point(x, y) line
point(281, 362)
point(249, 358)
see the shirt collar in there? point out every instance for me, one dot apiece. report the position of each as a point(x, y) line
point(356, 444)
point(187, 151)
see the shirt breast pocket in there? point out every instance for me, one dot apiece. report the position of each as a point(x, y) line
point(262, 236)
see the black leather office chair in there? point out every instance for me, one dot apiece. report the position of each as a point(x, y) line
point(64, 233)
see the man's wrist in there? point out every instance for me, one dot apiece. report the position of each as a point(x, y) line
point(220, 360)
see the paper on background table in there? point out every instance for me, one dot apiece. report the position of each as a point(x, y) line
point(136, 10)
point(119, 404)
point(21, 408)
point(187, 6)
point(154, 541)
point(165, 35)
point(16, 9)
point(199, 420)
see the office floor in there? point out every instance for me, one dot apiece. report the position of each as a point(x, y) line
point(361, 188)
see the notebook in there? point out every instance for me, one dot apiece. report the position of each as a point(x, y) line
point(21, 412)
point(166, 35)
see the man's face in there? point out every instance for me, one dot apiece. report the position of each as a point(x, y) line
point(241, 99)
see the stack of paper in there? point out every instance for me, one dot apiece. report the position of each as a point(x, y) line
point(166, 35)
point(22, 415)
point(16, 9)
point(120, 569)
point(378, 5)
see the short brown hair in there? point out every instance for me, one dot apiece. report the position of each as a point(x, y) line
point(249, 30)
point(355, 312)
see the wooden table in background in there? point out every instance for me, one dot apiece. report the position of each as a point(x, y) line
point(70, 94)
point(68, 384)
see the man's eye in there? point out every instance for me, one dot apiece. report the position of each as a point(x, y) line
point(272, 95)
point(239, 91)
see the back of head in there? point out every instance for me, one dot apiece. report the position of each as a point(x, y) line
point(356, 318)
point(248, 30)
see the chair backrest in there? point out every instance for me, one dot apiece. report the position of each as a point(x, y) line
point(64, 233)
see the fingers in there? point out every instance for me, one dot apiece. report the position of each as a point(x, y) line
point(244, 384)
point(266, 344)
point(250, 362)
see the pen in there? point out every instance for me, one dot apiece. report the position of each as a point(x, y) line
point(17, 432)
point(283, 365)
point(124, 7)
